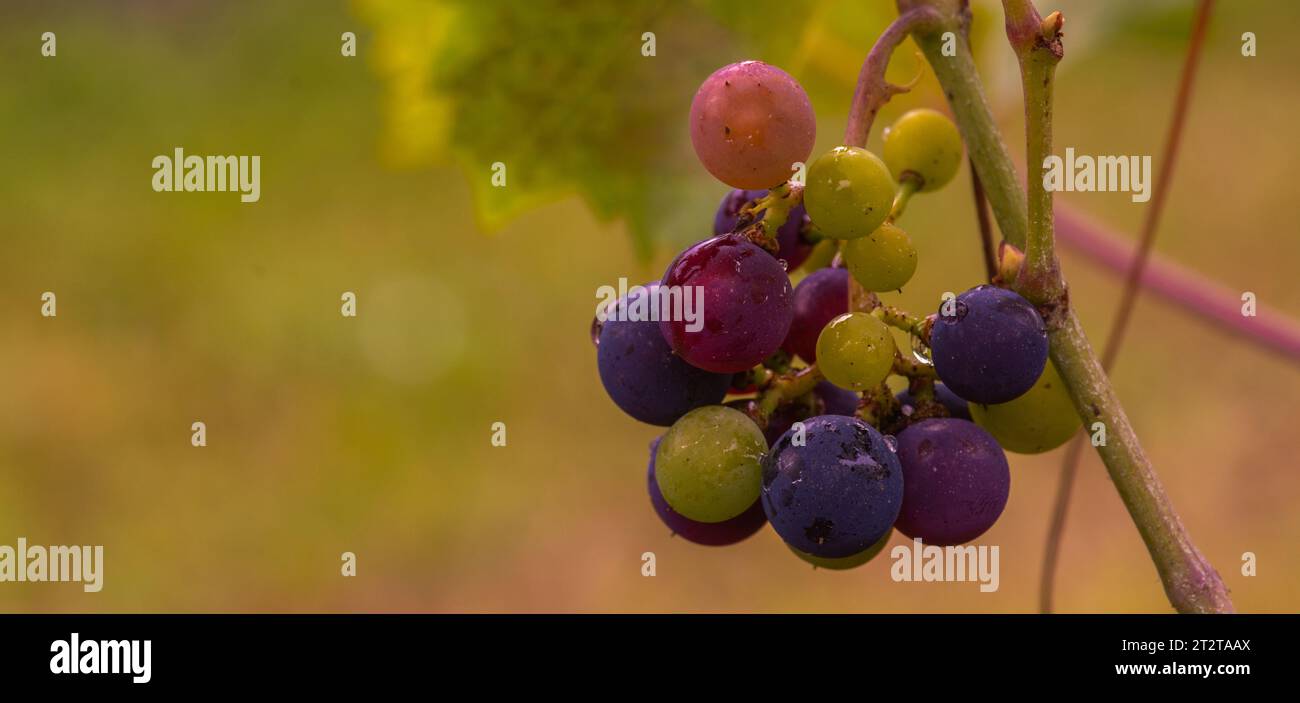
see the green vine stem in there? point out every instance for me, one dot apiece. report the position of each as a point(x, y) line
point(1038, 47)
point(918, 327)
point(912, 369)
point(965, 93)
point(1129, 295)
point(906, 189)
point(786, 388)
point(877, 404)
point(873, 91)
point(1190, 583)
point(861, 299)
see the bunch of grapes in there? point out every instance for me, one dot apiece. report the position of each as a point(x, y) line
point(777, 402)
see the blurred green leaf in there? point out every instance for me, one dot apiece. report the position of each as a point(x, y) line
point(561, 94)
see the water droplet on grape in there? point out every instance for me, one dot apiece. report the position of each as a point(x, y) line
point(596, 327)
point(891, 442)
point(920, 351)
point(785, 265)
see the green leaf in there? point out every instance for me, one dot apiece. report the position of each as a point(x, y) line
point(561, 94)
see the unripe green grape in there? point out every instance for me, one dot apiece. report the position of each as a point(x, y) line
point(883, 260)
point(849, 562)
point(1039, 421)
point(926, 143)
point(855, 351)
point(848, 192)
point(708, 464)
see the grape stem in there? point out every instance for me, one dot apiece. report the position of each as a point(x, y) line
point(1026, 221)
point(907, 187)
point(777, 205)
point(873, 91)
point(922, 389)
point(1129, 296)
point(811, 235)
point(860, 299)
point(786, 388)
point(918, 327)
point(912, 369)
point(877, 404)
point(759, 377)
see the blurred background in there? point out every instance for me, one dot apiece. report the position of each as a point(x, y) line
point(372, 434)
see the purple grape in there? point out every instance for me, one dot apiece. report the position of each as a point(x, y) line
point(838, 401)
point(992, 346)
point(746, 304)
point(836, 495)
point(818, 299)
point(956, 481)
point(794, 250)
point(956, 406)
point(711, 534)
point(724, 221)
point(642, 375)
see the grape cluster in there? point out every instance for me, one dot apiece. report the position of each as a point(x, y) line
point(777, 400)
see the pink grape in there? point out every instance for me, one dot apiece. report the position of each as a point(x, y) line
point(750, 123)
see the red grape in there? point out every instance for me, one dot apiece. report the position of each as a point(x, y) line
point(750, 123)
point(746, 304)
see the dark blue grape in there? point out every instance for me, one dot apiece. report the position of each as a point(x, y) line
point(794, 249)
point(838, 401)
point(644, 377)
point(818, 299)
point(991, 347)
point(836, 495)
point(956, 406)
point(711, 534)
point(956, 481)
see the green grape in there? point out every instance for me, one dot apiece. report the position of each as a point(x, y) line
point(883, 260)
point(707, 465)
point(849, 562)
point(1040, 420)
point(855, 351)
point(848, 192)
point(926, 143)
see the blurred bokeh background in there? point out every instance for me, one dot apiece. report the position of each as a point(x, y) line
point(371, 435)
